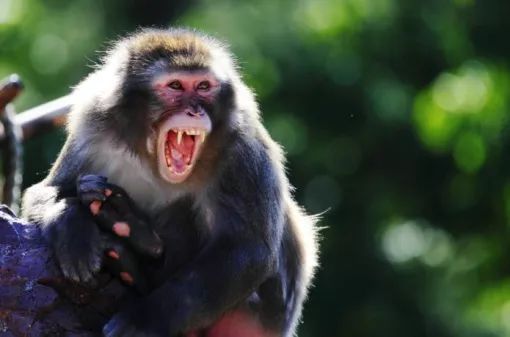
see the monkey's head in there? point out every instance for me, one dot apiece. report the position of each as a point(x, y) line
point(173, 92)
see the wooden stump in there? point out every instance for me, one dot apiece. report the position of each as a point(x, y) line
point(35, 300)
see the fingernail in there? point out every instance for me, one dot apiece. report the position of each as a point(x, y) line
point(126, 277)
point(113, 254)
point(108, 192)
point(121, 229)
point(95, 206)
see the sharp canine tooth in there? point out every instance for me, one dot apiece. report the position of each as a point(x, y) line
point(179, 137)
point(167, 156)
point(202, 136)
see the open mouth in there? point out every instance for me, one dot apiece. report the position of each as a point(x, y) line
point(181, 149)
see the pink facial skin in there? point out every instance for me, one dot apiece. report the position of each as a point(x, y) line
point(190, 84)
point(178, 91)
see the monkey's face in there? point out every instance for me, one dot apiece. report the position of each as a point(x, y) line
point(182, 130)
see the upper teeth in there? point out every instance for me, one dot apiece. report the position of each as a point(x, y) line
point(191, 132)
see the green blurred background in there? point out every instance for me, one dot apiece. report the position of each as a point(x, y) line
point(394, 116)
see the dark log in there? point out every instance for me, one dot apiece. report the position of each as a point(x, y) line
point(34, 298)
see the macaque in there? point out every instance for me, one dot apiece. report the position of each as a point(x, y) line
point(169, 180)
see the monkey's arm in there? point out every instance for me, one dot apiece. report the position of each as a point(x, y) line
point(60, 205)
point(66, 224)
point(240, 255)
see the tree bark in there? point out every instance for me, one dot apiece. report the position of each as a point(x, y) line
point(35, 300)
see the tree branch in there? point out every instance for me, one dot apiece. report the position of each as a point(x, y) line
point(34, 298)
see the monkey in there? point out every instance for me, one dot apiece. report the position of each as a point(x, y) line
point(168, 175)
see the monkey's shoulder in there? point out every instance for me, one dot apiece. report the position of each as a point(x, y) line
point(250, 157)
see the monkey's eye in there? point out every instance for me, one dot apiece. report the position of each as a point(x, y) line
point(176, 85)
point(204, 85)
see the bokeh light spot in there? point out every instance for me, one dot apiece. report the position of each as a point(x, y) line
point(344, 66)
point(469, 152)
point(403, 242)
point(439, 247)
point(463, 93)
point(435, 127)
point(49, 54)
point(289, 131)
point(505, 315)
point(10, 11)
point(262, 75)
point(390, 100)
point(323, 17)
point(412, 239)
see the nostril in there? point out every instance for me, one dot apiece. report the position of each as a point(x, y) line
point(194, 113)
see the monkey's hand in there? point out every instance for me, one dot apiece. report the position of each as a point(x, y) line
point(127, 230)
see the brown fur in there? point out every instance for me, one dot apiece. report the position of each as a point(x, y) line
point(187, 49)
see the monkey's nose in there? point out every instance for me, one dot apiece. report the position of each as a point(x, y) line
point(194, 113)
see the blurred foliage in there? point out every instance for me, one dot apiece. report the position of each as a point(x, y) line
point(394, 116)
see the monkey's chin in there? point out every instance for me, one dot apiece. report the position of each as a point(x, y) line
point(176, 177)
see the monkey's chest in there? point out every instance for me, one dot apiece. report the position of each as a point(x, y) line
point(134, 176)
point(183, 237)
